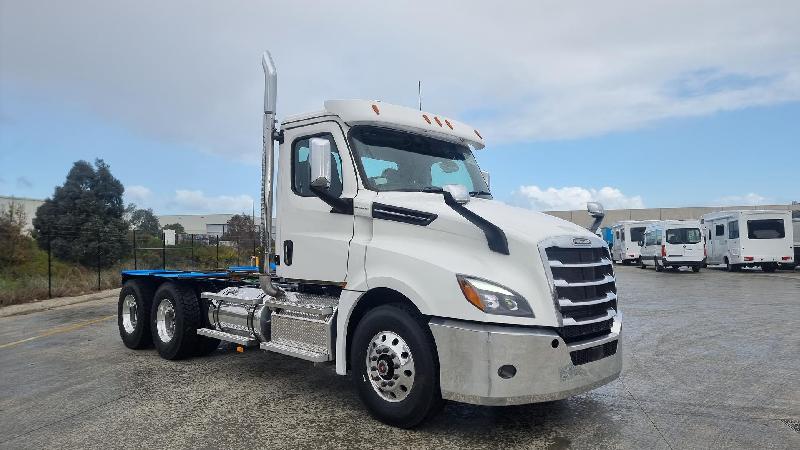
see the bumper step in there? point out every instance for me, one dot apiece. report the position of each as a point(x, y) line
point(285, 348)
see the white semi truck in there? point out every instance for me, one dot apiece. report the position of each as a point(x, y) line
point(394, 263)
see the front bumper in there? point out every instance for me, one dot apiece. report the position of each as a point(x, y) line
point(471, 355)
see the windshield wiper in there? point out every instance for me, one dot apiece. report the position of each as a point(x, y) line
point(435, 189)
point(474, 193)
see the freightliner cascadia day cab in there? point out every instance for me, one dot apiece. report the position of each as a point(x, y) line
point(627, 235)
point(394, 263)
point(749, 238)
point(673, 244)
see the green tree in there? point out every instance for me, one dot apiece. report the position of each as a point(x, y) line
point(83, 221)
point(241, 230)
point(175, 226)
point(145, 221)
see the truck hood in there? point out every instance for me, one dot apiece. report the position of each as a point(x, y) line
point(519, 224)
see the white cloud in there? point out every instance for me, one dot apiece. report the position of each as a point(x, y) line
point(196, 202)
point(534, 70)
point(573, 197)
point(137, 194)
point(749, 199)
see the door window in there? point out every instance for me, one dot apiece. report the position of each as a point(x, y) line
point(719, 230)
point(301, 167)
point(733, 230)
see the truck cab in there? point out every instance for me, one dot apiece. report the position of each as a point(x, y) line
point(395, 264)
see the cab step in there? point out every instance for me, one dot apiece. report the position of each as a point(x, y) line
point(228, 337)
point(297, 352)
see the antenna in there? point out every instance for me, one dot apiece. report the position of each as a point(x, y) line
point(419, 93)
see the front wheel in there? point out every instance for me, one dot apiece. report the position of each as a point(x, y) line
point(658, 267)
point(395, 367)
point(695, 269)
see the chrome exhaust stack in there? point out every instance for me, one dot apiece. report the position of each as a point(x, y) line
point(267, 170)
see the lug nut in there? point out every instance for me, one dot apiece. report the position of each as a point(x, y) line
point(395, 377)
point(383, 384)
point(391, 383)
point(374, 358)
point(376, 378)
point(396, 366)
point(373, 368)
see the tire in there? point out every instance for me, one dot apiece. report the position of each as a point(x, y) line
point(731, 267)
point(695, 269)
point(768, 268)
point(659, 268)
point(176, 336)
point(642, 264)
point(409, 406)
point(133, 314)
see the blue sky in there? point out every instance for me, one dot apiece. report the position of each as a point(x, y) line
point(577, 102)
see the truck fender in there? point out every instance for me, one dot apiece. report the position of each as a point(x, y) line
point(348, 301)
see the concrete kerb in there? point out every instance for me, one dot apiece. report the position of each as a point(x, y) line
point(44, 305)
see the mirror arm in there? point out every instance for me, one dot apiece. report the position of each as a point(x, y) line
point(338, 205)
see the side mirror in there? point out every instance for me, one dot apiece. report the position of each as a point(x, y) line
point(597, 212)
point(320, 161)
point(595, 209)
point(641, 243)
point(459, 192)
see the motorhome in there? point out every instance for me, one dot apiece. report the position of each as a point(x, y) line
point(673, 244)
point(627, 235)
point(749, 238)
point(394, 264)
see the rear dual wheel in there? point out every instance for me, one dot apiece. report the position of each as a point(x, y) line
point(175, 317)
point(133, 314)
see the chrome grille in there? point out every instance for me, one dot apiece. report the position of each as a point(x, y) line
point(584, 289)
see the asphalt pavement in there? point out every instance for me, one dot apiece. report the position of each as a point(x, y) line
point(711, 360)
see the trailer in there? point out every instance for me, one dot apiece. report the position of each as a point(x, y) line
point(394, 264)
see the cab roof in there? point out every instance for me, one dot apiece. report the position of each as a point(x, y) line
point(374, 112)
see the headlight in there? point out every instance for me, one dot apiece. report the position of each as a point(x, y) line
point(492, 298)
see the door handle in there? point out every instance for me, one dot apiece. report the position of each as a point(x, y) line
point(288, 249)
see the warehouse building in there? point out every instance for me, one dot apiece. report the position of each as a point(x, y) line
point(28, 206)
point(581, 217)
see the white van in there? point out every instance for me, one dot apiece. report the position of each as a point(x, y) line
point(627, 235)
point(749, 238)
point(673, 244)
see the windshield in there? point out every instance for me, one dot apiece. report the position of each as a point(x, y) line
point(765, 229)
point(683, 236)
point(637, 233)
point(399, 161)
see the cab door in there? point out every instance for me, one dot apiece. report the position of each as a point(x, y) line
point(313, 242)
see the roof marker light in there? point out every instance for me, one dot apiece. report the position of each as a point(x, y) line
point(375, 108)
point(425, 116)
point(479, 135)
point(438, 121)
point(448, 123)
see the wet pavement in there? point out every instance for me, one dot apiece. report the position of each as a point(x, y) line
point(710, 361)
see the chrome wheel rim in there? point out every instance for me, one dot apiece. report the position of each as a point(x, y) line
point(390, 366)
point(165, 320)
point(129, 313)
